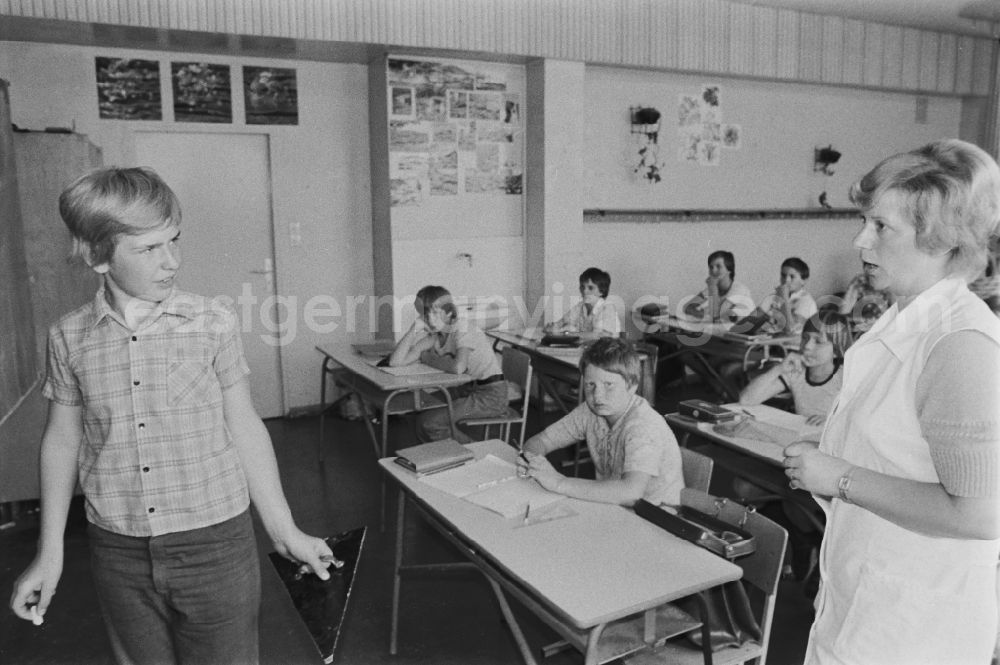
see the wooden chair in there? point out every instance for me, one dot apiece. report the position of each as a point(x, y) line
point(649, 358)
point(761, 573)
point(697, 469)
point(516, 367)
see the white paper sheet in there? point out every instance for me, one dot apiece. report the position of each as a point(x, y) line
point(493, 483)
point(411, 370)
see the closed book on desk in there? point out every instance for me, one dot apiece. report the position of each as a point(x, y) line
point(572, 341)
point(433, 456)
point(704, 411)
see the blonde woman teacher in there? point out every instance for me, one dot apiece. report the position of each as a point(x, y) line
point(907, 468)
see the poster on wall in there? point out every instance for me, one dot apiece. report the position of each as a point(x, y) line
point(128, 89)
point(453, 131)
point(270, 96)
point(700, 127)
point(201, 92)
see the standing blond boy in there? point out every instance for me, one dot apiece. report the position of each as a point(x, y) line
point(150, 410)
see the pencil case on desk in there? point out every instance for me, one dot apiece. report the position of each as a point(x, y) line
point(726, 540)
point(704, 411)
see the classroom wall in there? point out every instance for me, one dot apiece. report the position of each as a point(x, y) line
point(781, 124)
point(321, 177)
point(319, 169)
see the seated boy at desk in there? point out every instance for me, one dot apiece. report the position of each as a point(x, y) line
point(723, 298)
point(441, 339)
point(594, 316)
point(813, 374)
point(790, 304)
point(634, 452)
point(814, 378)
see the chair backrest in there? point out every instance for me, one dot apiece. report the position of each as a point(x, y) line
point(516, 367)
point(648, 360)
point(762, 569)
point(697, 469)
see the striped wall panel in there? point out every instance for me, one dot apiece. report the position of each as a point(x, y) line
point(710, 36)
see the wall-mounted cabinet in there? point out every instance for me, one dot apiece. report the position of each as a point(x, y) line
point(37, 166)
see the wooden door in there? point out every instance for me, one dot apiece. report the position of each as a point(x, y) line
point(227, 236)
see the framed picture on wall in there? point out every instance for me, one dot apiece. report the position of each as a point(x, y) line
point(201, 92)
point(128, 89)
point(270, 95)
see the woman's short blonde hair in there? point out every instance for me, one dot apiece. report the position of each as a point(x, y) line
point(952, 194)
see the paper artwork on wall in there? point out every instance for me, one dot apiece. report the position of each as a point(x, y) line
point(731, 136)
point(453, 131)
point(270, 96)
point(128, 89)
point(202, 92)
point(700, 127)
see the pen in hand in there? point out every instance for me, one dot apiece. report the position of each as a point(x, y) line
point(522, 471)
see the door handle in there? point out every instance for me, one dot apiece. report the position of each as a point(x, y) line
point(268, 268)
point(268, 272)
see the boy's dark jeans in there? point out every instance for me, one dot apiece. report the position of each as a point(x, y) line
point(188, 597)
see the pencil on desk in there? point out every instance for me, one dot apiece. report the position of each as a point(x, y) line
point(527, 511)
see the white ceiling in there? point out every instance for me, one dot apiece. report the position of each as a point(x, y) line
point(971, 17)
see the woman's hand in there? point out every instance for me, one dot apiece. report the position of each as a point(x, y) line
point(539, 468)
point(809, 469)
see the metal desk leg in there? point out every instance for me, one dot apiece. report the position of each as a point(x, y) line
point(400, 528)
point(590, 657)
point(324, 370)
point(382, 447)
point(515, 629)
point(706, 630)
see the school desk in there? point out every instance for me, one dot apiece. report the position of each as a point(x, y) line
point(697, 344)
point(759, 461)
point(382, 394)
point(601, 577)
point(554, 365)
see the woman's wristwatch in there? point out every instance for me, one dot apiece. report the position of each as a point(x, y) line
point(844, 485)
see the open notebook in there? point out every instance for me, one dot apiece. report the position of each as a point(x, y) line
point(767, 430)
point(493, 483)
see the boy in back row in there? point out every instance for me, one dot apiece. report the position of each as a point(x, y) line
point(150, 410)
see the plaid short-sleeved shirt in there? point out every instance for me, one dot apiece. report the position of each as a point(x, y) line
point(156, 455)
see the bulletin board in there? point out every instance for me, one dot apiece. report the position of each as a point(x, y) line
point(456, 147)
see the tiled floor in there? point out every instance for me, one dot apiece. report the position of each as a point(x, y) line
point(446, 620)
